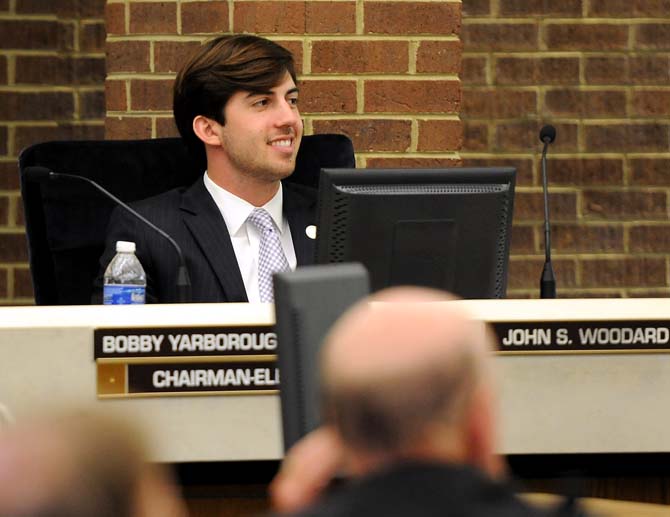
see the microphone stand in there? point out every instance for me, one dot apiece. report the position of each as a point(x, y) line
point(548, 280)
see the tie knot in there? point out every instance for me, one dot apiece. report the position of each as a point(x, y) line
point(261, 219)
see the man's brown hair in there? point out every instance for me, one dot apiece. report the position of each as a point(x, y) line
point(222, 67)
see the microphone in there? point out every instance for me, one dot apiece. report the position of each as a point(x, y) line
point(548, 280)
point(43, 174)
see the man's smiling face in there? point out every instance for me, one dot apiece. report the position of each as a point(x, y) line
point(262, 132)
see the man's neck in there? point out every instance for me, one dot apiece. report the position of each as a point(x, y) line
point(255, 192)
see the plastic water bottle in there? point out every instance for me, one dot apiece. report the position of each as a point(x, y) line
point(125, 280)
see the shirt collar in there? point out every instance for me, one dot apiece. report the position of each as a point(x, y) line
point(236, 210)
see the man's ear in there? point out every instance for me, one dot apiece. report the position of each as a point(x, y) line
point(207, 130)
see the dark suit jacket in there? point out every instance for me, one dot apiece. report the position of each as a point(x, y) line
point(190, 216)
point(427, 490)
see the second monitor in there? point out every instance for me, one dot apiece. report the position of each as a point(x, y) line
point(445, 228)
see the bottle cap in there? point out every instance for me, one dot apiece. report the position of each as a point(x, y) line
point(125, 247)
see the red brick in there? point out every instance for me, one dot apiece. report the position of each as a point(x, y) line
point(585, 103)
point(20, 217)
point(653, 36)
point(4, 210)
point(127, 128)
point(439, 96)
point(53, 70)
point(23, 284)
point(401, 17)
point(295, 48)
point(524, 136)
point(524, 273)
point(500, 37)
point(623, 205)
point(204, 17)
point(3, 140)
point(476, 8)
point(440, 135)
point(650, 69)
point(492, 103)
point(529, 206)
point(115, 18)
point(3, 69)
point(92, 37)
point(151, 95)
point(442, 57)
point(412, 163)
point(651, 103)
point(536, 71)
point(475, 136)
point(649, 171)
point(9, 175)
point(62, 8)
point(29, 135)
point(13, 247)
point(269, 17)
point(628, 8)
point(36, 106)
point(165, 127)
point(574, 238)
point(330, 18)
point(4, 5)
point(523, 239)
point(360, 57)
point(153, 18)
point(567, 8)
point(473, 70)
point(523, 166)
point(32, 34)
point(591, 36)
point(370, 135)
point(127, 56)
point(649, 238)
point(606, 70)
point(623, 272)
point(327, 96)
point(91, 105)
point(115, 95)
point(170, 56)
point(584, 171)
point(629, 137)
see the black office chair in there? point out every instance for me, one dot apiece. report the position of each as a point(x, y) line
point(66, 221)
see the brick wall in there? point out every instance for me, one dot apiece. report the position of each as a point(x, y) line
point(598, 70)
point(383, 72)
point(52, 70)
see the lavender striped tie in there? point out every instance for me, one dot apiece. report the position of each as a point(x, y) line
point(271, 258)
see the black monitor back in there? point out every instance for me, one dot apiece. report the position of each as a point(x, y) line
point(307, 303)
point(442, 228)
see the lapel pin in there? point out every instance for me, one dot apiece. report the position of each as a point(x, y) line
point(310, 231)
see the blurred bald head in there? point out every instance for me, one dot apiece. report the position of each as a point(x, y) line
point(408, 377)
point(80, 465)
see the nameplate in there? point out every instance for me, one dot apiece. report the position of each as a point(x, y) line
point(166, 361)
point(583, 336)
point(171, 342)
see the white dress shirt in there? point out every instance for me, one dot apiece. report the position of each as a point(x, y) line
point(245, 236)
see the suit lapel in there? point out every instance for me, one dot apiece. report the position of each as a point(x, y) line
point(299, 209)
point(204, 220)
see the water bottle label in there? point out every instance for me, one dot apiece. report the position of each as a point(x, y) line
point(119, 294)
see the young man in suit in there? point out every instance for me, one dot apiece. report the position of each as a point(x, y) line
point(409, 409)
point(237, 100)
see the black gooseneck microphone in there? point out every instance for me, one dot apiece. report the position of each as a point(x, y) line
point(548, 280)
point(42, 174)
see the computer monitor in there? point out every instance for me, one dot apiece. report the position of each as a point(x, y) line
point(445, 228)
point(307, 303)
